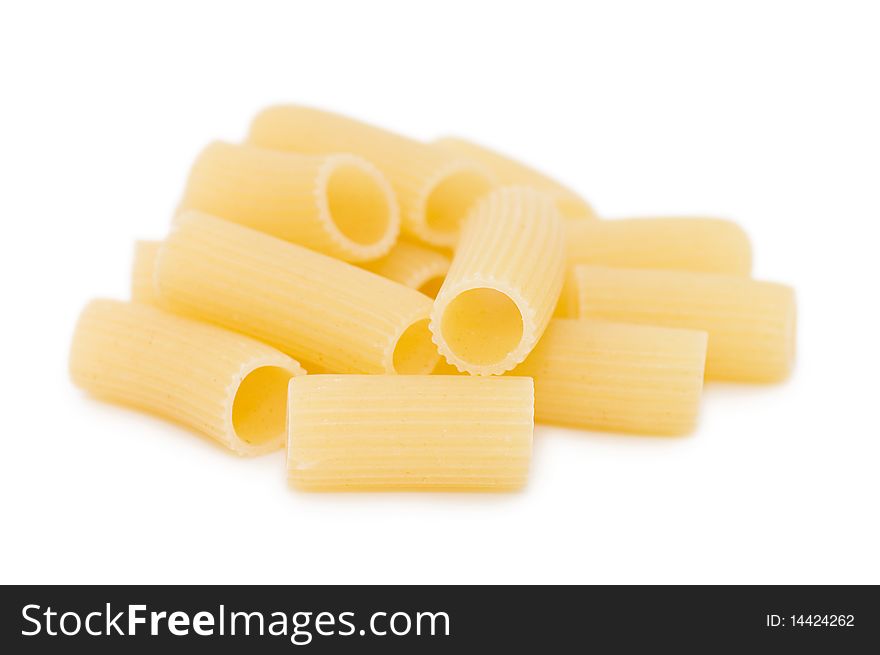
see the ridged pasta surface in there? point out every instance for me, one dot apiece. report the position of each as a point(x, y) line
point(435, 188)
point(229, 387)
point(337, 204)
point(412, 265)
point(505, 279)
point(410, 432)
point(509, 171)
point(708, 245)
point(619, 377)
point(318, 309)
point(751, 324)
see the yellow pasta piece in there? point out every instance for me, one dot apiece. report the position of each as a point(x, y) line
point(710, 245)
point(229, 387)
point(143, 288)
point(445, 368)
point(337, 204)
point(751, 324)
point(349, 432)
point(618, 377)
point(511, 172)
point(322, 311)
point(690, 244)
point(503, 284)
point(413, 266)
point(435, 189)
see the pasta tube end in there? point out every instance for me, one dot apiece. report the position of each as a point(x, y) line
point(445, 200)
point(222, 384)
point(257, 416)
point(414, 353)
point(482, 329)
point(358, 207)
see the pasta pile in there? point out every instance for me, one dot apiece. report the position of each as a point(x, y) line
point(400, 313)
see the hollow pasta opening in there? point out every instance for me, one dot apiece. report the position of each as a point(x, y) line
point(415, 353)
point(259, 411)
point(358, 204)
point(482, 326)
point(432, 286)
point(449, 201)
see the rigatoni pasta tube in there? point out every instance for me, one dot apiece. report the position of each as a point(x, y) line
point(503, 284)
point(435, 189)
point(751, 324)
point(229, 387)
point(509, 171)
point(143, 288)
point(354, 432)
point(338, 204)
point(618, 377)
point(315, 308)
point(709, 245)
point(412, 265)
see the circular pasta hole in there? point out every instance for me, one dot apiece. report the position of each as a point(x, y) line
point(259, 411)
point(449, 201)
point(482, 326)
point(432, 286)
point(358, 205)
point(415, 353)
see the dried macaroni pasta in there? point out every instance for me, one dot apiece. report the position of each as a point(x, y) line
point(143, 288)
point(503, 284)
point(318, 309)
point(751, 324)
point(224, 385)
point(690, 244)
point(412, 265)
point(614, 376)
point(337, 204)
point(435, 189)
point(511, 172)
point(710, 245)
point(350, 432)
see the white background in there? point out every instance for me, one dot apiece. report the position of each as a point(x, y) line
point(765, 112)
